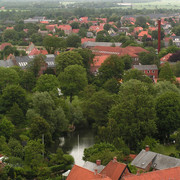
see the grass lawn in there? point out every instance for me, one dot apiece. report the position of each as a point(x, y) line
point(166, 150)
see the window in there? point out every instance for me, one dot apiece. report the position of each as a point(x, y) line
point(147, 71)
point(153, 71)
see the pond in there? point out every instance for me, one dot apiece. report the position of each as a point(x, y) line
point(76, 142)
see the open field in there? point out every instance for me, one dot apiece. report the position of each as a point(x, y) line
point(162, 4)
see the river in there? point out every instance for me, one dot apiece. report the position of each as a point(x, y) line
point(76, 142)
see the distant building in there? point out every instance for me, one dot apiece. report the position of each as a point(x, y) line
point(147, 159)
point(149, 70)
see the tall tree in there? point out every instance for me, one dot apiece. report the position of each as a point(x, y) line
point(73, 80)
point(73, 41)
point(168, 113)
point(166, 73)
point(113, 67)
point(36, 64)
point(138, 120)
point(67, 58)
point(47, 82)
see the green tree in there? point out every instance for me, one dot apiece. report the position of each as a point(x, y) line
point(107, 27)
point(165, 86)
point(96, 107)
point(6, 128)
point(15, 114)
point(113, 67)
point(138, 120)
point(35, 65)
point(73, 41)
point(28, 80)
point(166, 73)
point(10, 35)
point(16, 148)
point(103, 151)
point(168, 114)
point(136, 74)
point(46, 82)
point(141, 21)
point(53, 43)
point(13, 94)
point(111, 86)
point(75, 25)
point(67, 58)
point(87, 56)
point(8, 76)
point(33, 153)
point(155, 34)
point(148, 58)
point(39, 127)
point(72, 80)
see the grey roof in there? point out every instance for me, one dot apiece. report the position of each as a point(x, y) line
point(143, 159)
point(164, 162)
point(23, 61)
point(145, 67)
point(30, 20)
point(106, 44)
point(159, 161)
point(6, 63)
point(92, 166)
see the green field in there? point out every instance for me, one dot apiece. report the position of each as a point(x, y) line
point(163, 4)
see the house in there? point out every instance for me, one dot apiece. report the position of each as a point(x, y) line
point(132, 51)
point(80, 173)
point(112, 171)
point(89, 34)
point(142, 34)
point(138, 29)
point(90, 44)
point(165, 58)
point(115, 170)
point(30, 48)
point(92, 166)
point(51, 27)
point(7, 63)
point(123, 29)
point(83, 20)
point(83, 40)
point(43, 33)
point(22, 61)
point(76, 31)
point(176, 40)
point(36, 51)
point(66, 28)
point(149, 70)
point(3, 45)
point(97, 61)
point(147, 159)
point(165, 174)
point(166, 41)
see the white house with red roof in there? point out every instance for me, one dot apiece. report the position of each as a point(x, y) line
point(66, 28)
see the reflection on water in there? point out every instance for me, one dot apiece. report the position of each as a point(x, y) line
point(76, 142)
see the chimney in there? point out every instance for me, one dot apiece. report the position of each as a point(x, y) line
point(147, 148)
point(98, 162)
point(115, 159)
point(159, 35)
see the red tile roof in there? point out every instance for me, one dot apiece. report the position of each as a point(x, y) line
point(80, 173)
point(165, 174)
point(152, 28)
point(130, 50)
point(65, 27)
point(75, 31)
point(178, 79)
point(166, 57)
point(98, 60)
point(142, 33)
point(9, 28)
point(83, 40)
point(44, 22)
point(137, 29)
point(36, 51)
point(3, 45)
point(51, 27)
point(173, 34)
point(25, 30)
point(114, 170)
point(96, 28)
